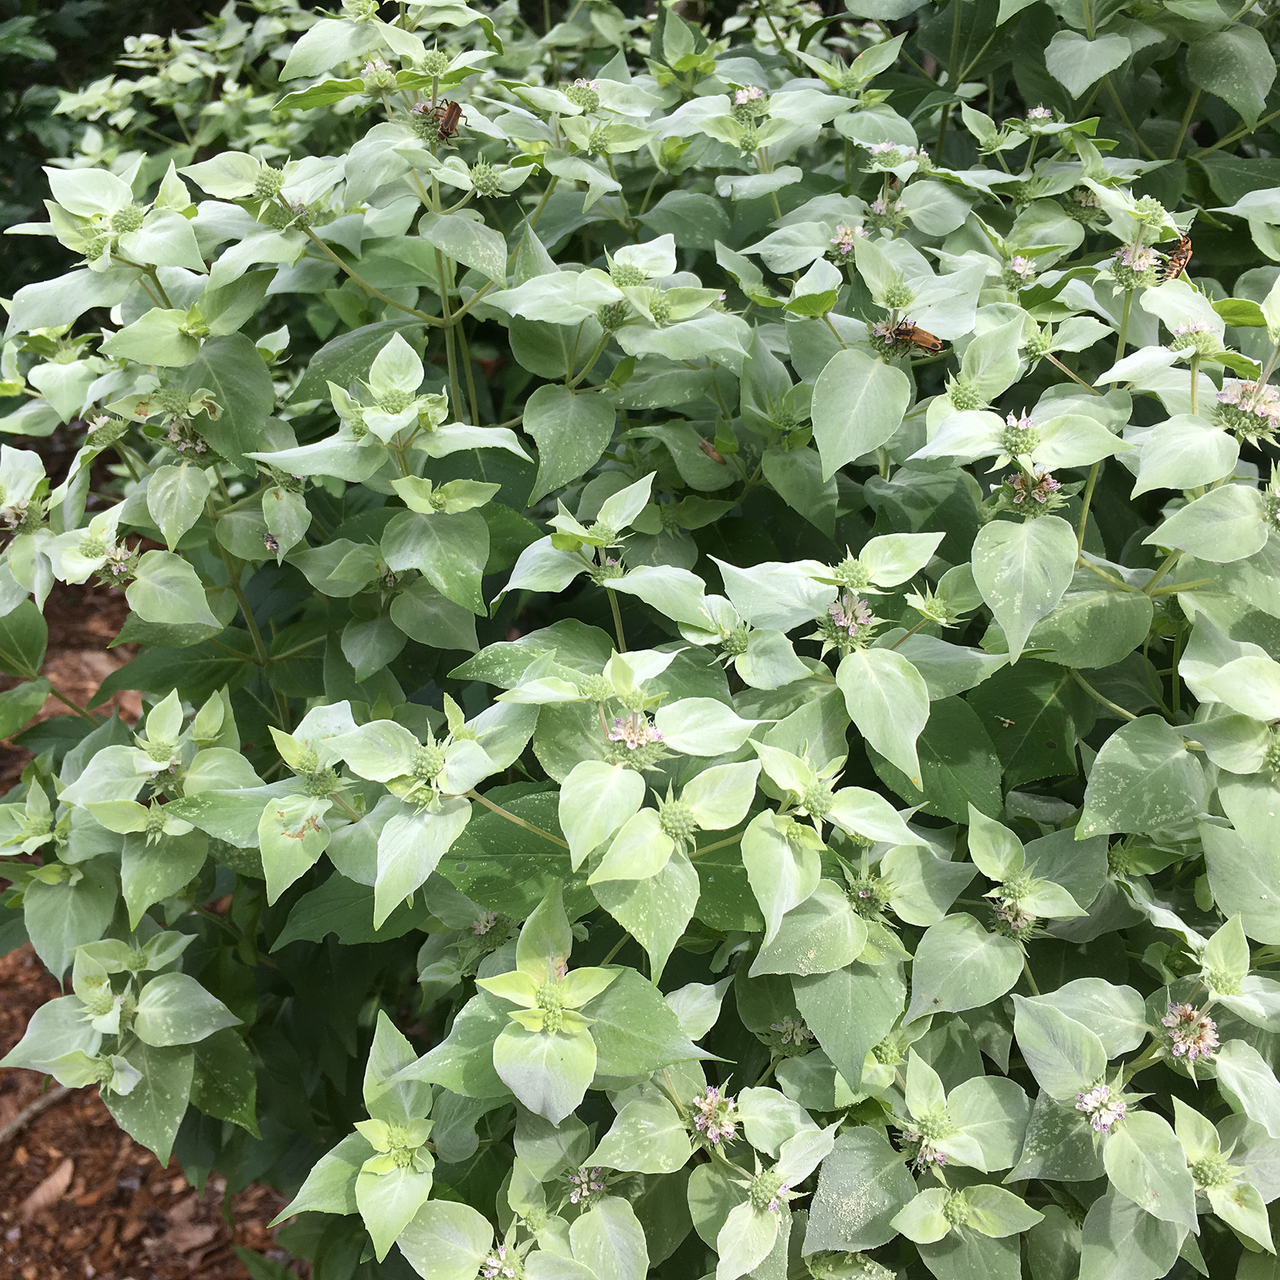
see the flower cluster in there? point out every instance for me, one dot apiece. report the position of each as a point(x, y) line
point(634, 730)
point(1250, 410)
point(889, 155)
point(841, 251)
point(884, 213)
point(586, 1184)
point(1039, 486)
point(1192, 1033)
point(497, 1265)
point(792, 1031)
point(1020, 437)
point(1040, 113)
point(714, 1116)
point(584, 94)
point(1013, 921)
point(850, 613)
point(749, 104)
point(1134, 265)
point(1100, 1107)
point(1019, 271)
point(1193, 339)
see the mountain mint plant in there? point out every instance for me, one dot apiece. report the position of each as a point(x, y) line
point(704, 603)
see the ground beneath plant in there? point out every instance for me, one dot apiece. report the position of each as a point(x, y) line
point(79, 1199)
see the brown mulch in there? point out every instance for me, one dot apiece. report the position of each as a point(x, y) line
point(79, 1199)
point(82, 621)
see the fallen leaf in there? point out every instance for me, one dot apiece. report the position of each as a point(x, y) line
point(49, 1192)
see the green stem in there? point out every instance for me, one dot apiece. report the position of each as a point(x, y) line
point(613, 950)
point(75, 706)
point(909, 634)
point(1192, 103)
point(1124, 325)
point(1169, 561)
point(1097, 697)
point(511, 817)
point(1052, 359)
point(699, 850)
point(467, 368)
point(1236, 134)
point(1085, 503)
point(450, 352)
point(1128, 124)
point(617, 619)
point(1195, 382)
point(1026, 973)
point(367, 287)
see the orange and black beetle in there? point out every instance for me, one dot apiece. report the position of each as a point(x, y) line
point(917, 337)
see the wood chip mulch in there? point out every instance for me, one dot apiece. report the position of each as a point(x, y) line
point(80, 1200)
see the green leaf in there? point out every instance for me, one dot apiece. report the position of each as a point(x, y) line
point(1245, 1075)
point(648, 1136)
point(571, 429)
point(819, 935)
point(958, 764)
point(468, 241)
point(655, 911)
point(851, 1009)
point(1224, 525)
point(635, 1030)
point(165, 587)
point(388, 1201)
point(225, 1084)
point(18, 707)
point(153, 1110)
point(24, 636)
point(888, 700)
point(153, 871)
point(549, 1073)
point(446, 1241)
point(1236, 65)
point(1076, 62)
point(1065, 1056)
point(232, 369)
point(449, 550)
point(175, 1009)
point(1023, 570)
point(959, 965)
point(1146, 1163)
point(862, 1184)
point(609, 1239)
point(292, 836)
point(342, 907)
point(1026, 711)
point(1119, 1238)
point(1143, 780)
point(858, 403)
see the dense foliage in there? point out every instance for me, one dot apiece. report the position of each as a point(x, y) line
point(708, 629)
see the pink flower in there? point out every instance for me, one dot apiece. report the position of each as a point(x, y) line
point(1192, 1032)
point(714, 1116)
point(1137, 257)
point(1022, 267)
point(750, 94)
point(1101, 1108)
point(1040, 113)
point(634, 730)
point(1039, 492)
point(850, 612)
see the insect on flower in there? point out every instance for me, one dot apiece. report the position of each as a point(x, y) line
point(918, 337)
point(448, 116)
point(1175, 263)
